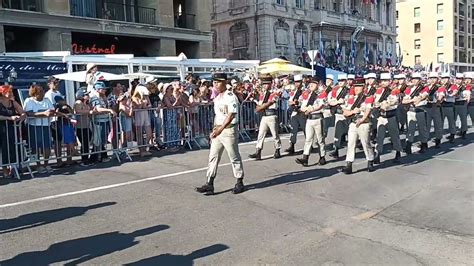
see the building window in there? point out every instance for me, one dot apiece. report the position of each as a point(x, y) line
point(239, 39)
point(396, 14)
point(439, 9)
point(461, 25)
point(299, 3)
point(281, 31)
point(317, 4)
point(397, 29)
point(461, 9)
point(440, 25)
point(416, 12)
point(417, 27)
point(440, 57)
point(336, 6)
point(352, 5)
point(455, 39)
point(461, 41)
point(440, 42)
point(417, 59)
point(280, 2)
point(417, 44)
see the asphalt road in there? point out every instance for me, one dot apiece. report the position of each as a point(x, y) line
point(147, 213)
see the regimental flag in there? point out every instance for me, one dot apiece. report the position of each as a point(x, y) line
point(366, 52)
point(338, 51)
point(321, 49)
point(388, 58)
point(352, 55)
point(399, 56)
point(379, 57)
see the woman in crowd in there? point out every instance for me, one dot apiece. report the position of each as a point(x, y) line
point(91, 78)
point(155, 101)
point(125, 114)
point(39, 111)
point(141, 104)
point(83, 112)
point(10, 113)
point(171, 132)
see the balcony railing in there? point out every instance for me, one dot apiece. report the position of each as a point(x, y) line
point(28, 5)
point(113, 11)
point(184, 21)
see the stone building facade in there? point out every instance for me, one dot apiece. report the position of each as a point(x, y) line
point(264, 29)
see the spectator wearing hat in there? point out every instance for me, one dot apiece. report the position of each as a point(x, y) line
point(10, 114)
point(268, 106)
point(91, 78)
point(416, 98)
point(224, 136)
point(141, 105)
point(56, 126)
point(297, 117)
point(462, 98)
point(39, 111)
point(433, 110)
point(101, 121)
point(468, 82)
point(357, 110)
point(313, 102)
point(385, 107)
point(447, 99)
point(83, 112)
point(335, 99)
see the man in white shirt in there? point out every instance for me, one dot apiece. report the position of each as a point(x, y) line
point(225, 135)
point(56, 126)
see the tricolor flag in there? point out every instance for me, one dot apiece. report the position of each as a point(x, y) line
point(389, 58)
point(352, 55)
point(366, 52)
point(338, 51)
point(321, 49)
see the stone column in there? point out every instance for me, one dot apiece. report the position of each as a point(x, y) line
point(167, 47)
point(164, 12)
point(2, 40)
point(205, 50)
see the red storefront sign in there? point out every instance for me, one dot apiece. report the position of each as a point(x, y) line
point(80, 49)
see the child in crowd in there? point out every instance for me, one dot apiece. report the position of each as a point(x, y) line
point(65, 113)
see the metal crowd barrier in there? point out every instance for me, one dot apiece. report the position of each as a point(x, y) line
point(249, 119)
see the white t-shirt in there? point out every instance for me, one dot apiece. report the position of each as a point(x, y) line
point(32, 105)
point(50, 94)
point(224, 104)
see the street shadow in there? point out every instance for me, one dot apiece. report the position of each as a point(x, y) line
point(182, 260)
point(84, 249)
point(36, 219)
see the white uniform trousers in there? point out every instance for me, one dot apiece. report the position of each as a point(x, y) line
point(461, 111)
point(433, 114)
point(417, 120)
point(341, 127)
point(390, 124)
point(314, 134)
point(268, 123)
point(362, 133)
point(470, 109)
point(228, 140)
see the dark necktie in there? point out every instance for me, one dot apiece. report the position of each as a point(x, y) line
point(267, 96)
point(297, 95)
point(312, 98)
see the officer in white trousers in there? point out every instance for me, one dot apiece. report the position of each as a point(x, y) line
point(225, 136)
point(462, 98)
point(313, 102)
point(386, 103)
point(357, 110)
point(298, 118)
point(268, 107)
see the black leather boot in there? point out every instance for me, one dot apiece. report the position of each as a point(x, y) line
point(408, 148)
point(291, 149)
point(437, 143)
point(451, 138)
point(377, 159)
point(322, 161)
point(303, 161)
point(347, 169)
point(370, 166)
point(398, 155)
point(257, 155)
point(239, 186)
point(207, 189)
point(277, 154)
point(335, 154)
point(463, 135)
point(424, 147)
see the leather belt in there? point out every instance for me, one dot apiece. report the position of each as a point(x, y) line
point(418, 109)
point(460, 102)
point(270, 112)
point(229, 126)
point(315, 116)
point(447, 104)
point(354, 119)
point(388, 114)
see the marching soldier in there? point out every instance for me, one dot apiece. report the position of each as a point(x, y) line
point(336, 98)
point(468, 79)
point(386, 103)
point(225, 135)
point(446, 97)
point(370, 91)
point(328, 117)
point(462, 98)
point(401, 111)
point(357, 110)
point(416, 98)
point(312, 106)
point(433, 108)
point(298, 118)
point(267, 106)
